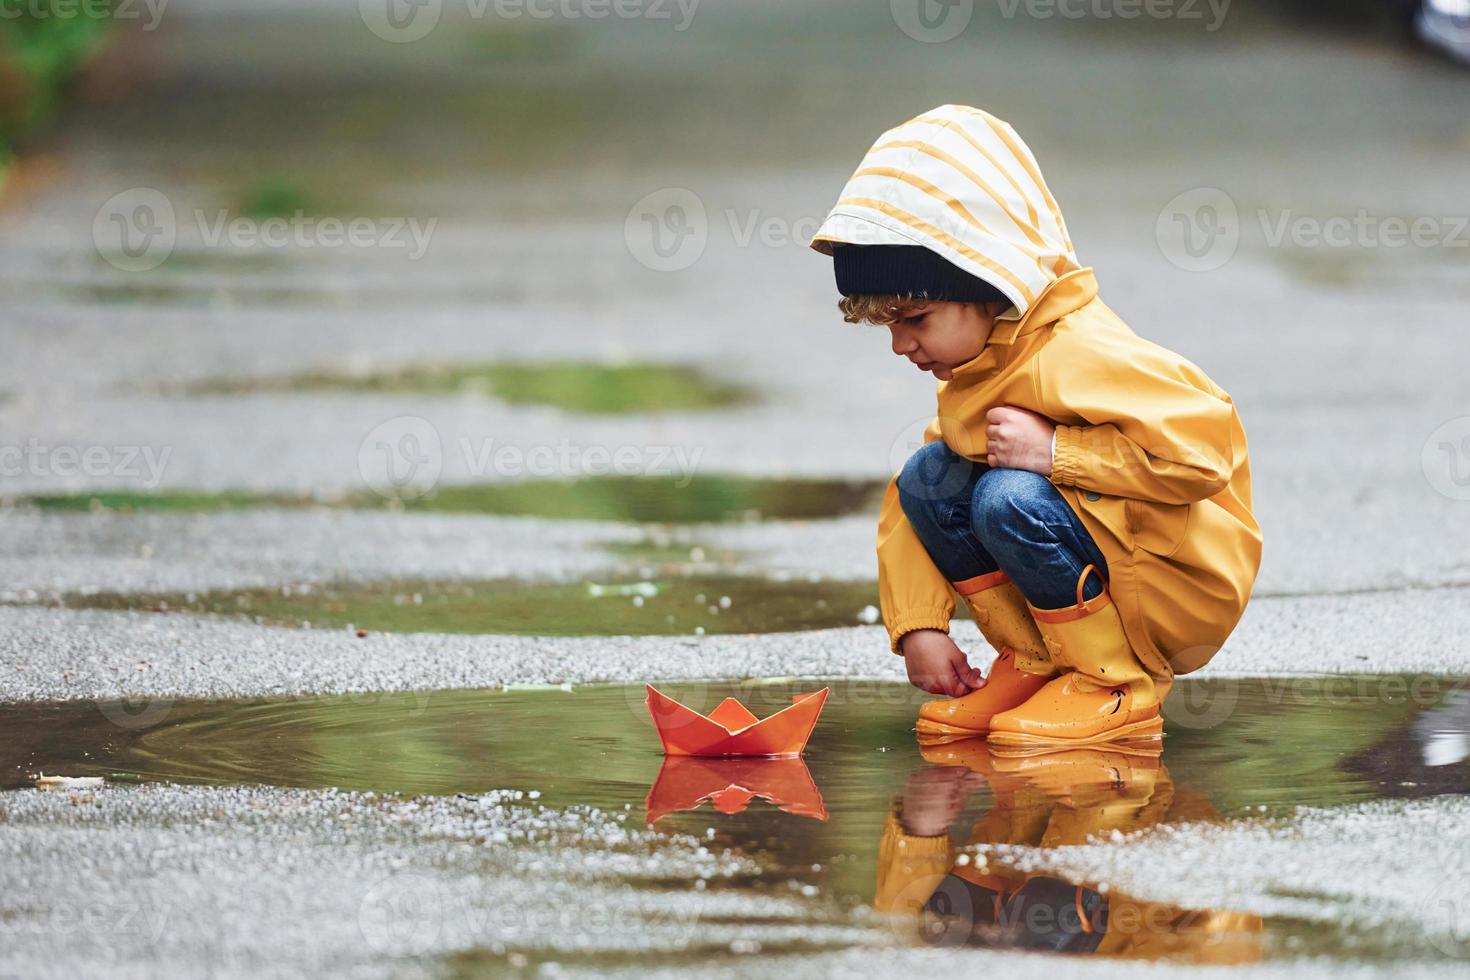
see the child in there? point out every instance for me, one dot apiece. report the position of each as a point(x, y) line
point(1085, 491)
point(955, 896)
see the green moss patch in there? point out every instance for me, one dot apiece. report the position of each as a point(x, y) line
point(188, 501)
point(584, 387)
point(673, 500)
point(659, 499)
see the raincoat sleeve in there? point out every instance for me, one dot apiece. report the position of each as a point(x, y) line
point(1155, 426)
point(909, 868)
point(913, 594)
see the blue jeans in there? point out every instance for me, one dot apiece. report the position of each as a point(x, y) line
point(974, 520)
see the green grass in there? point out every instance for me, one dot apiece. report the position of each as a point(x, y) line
point(272, 199)
point(179, 501)
point(536, 46)
point(42, 47)
point(659, 499)
point(584, 387)
point(673, 500)
point(600, 389)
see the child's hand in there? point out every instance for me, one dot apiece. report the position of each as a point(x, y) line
point(1018, 439)
point(934, 796)
point(937, 665)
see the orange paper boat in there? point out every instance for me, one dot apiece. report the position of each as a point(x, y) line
point(730, 784)
point(731, 729)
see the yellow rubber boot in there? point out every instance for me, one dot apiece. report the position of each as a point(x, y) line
point(1022, 664)
point(1104, 693)
point(1098, 789)
point(976, 755)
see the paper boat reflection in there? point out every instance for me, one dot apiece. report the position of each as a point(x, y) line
point(730, 784)
point(731, 729)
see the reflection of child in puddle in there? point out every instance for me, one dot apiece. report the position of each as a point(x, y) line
point(1086, 491)
point(1044, 801)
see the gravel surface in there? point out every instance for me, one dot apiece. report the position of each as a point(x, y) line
point(863, 964)
point(141, 552)
point(154, 880)
point(1405, 884)
point(168, 880)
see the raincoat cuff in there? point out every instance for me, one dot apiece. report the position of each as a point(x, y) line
point(932, 618)
point(933, 847)
point(1066, 460)
point(909, 867)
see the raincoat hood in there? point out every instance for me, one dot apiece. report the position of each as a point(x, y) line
point(961, 183)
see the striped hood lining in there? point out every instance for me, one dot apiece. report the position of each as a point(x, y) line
point(962, 183)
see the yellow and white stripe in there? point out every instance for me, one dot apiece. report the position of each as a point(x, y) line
point(961, 182)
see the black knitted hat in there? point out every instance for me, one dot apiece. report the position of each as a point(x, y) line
point(907, 270)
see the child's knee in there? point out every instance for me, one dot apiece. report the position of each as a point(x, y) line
point(933, 472)
point(1005, 497)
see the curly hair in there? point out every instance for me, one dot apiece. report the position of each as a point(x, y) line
point(879, 309)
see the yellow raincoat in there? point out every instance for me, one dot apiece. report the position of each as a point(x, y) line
point(1064, 803)
point(1150, 452)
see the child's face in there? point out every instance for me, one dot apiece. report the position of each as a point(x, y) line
point(942, 335)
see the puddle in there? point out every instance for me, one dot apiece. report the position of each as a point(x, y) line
point(667, 606)
point(587, 388)
point(860, 819)
point(658, 500)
